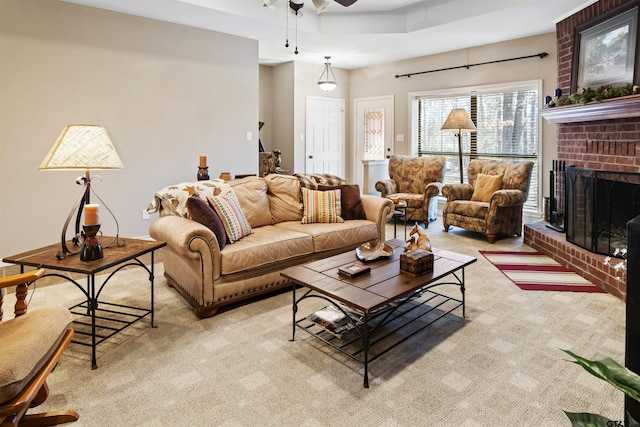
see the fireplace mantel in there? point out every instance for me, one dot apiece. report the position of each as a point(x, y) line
point(618, 108)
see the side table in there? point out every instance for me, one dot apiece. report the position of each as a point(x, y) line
point(400, 212)
point(115, 258)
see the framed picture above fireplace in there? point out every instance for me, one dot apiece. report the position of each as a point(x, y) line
point(605, 49)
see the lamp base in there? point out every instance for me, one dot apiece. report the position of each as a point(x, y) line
point(91, 249)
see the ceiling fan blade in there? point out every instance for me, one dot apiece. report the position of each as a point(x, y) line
point(346, 3)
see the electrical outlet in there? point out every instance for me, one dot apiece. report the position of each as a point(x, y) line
point(145, 214)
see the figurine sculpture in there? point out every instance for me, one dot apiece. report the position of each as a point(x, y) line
point(418, 239)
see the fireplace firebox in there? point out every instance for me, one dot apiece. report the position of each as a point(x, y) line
point(598, 205)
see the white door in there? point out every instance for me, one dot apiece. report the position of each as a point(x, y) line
point(373, 135)
point(325, 136)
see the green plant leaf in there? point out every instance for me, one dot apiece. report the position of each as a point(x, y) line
point(612, 372)
point(585, 419)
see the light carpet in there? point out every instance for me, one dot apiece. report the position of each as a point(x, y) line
point(535, 271)
point(501, 366)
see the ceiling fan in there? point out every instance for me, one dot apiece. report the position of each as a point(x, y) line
point(296, 5)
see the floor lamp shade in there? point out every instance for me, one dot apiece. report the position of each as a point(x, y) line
point(459, 121)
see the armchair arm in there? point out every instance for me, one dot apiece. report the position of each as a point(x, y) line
point(22, 278)
point(378, 210)
point(432, 189)
point(386, 187)
point(189, 239)
point(457, 191)
point(506, 198)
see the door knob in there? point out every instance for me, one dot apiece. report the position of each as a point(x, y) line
point(311, 157)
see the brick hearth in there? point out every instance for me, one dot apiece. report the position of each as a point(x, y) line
point(587, 264)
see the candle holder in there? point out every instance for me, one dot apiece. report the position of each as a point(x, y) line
point(91, 249)
point(203, 173)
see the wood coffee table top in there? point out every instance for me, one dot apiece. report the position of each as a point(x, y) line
point(385, 282)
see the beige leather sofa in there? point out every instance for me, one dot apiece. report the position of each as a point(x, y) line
point(209, 277)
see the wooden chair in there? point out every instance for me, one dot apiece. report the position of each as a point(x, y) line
point(32, 344)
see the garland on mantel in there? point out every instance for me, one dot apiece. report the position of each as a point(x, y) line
point(597, 95)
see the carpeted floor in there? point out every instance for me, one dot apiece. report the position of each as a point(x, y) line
point(501, 366)
point(535, 271)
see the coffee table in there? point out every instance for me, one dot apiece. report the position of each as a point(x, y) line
point(380, 303)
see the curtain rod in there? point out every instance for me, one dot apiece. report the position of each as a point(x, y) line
point(539, 55)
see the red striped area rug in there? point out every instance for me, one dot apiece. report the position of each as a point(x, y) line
point(535, 271)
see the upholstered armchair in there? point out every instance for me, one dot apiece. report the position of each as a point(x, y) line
point(418, 181)
point(492, 201)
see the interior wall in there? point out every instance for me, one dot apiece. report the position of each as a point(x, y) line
point(265, 112)
point(380, 80)
point(166, 94)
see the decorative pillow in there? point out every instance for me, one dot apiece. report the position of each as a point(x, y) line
point(485, 186)
point(350, 202)
point(320, 206)
point(230, 213)
point(201, 212)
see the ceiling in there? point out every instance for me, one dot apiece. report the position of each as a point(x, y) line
point(369, 32)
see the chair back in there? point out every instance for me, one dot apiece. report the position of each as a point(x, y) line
point(515, 175)
point(412, 174)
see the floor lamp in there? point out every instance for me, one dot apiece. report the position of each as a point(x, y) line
point(459, 121)
point(82, 147)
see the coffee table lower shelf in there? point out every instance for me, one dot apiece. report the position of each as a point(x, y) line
point(374, 335)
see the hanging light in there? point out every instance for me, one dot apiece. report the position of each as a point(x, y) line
point(327, 81)
point(321, 6)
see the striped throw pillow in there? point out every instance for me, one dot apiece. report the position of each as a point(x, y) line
point(320, 206)
point(230, 212)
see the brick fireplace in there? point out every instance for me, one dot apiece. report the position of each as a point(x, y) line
point(605, 136)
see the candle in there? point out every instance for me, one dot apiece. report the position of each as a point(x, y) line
point(91, 216)
point(203, 161)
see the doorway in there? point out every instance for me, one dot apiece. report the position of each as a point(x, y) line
point(374, 126)
point(324, 148)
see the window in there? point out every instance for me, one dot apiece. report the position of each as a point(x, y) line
point(507, 122)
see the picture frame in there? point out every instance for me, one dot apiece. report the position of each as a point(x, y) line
point(605, 49)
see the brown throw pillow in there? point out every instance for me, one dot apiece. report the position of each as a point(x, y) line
point(350, 202)
point(200, 211)
point(485, 186)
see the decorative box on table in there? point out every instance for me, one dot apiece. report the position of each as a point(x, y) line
point(416, 262)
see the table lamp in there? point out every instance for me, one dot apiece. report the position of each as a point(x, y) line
point(83, 147)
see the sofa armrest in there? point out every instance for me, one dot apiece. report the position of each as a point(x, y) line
point(386, 187)
point(506, 198)
point(378, 210)
point(457, 191)
point(188, 238)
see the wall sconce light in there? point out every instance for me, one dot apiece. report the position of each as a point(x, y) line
point(327, 81)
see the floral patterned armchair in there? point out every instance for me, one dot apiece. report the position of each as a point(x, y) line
point(418, 181)
point(492, 203)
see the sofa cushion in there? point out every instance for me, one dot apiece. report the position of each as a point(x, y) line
point(202, 212)
point(331, 237)
point(485, 186)
point(252, 195)
point(321, 206)
point(350, 202)
point(31, 340)
point(230, 212)
point(283, 192)
point(266, 246)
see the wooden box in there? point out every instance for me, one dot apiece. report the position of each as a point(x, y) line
point(416, 262)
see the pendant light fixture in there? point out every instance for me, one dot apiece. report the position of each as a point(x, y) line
point(327, 81)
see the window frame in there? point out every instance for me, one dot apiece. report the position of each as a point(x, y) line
point(414, 98)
